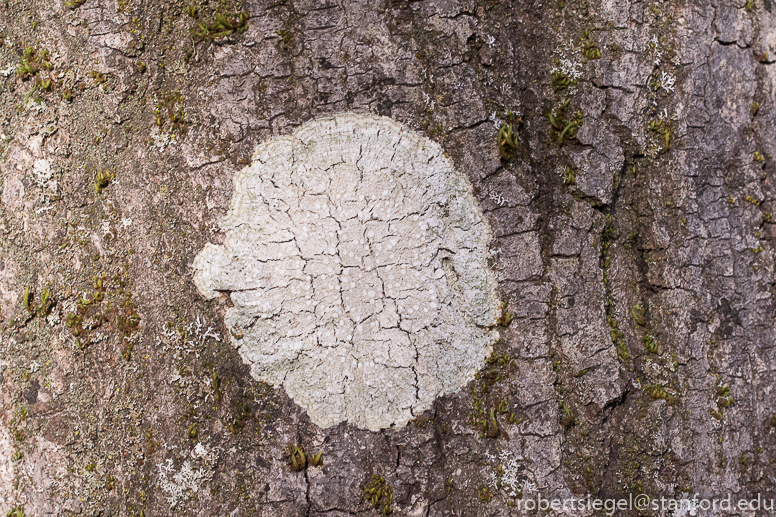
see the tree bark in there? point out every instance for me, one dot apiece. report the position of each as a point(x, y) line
point(621, 153)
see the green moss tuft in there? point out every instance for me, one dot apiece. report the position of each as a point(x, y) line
point(508, 143)
point(561, 127)
point(380, 494)
point(223, 24)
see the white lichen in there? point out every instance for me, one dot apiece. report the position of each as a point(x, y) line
point(44, 175)
point(667, 82)
point(567, 61)
point(496, 120)
point(570, 69)
point(200, 451)
point(186, 339)
point(162, 139)
point(181, 484)
point(355, 256)
point(498, 198)
point(506, 474)
point(206, 454)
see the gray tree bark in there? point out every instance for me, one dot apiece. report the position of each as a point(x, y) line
point(631, 207)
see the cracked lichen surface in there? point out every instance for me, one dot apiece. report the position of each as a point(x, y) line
point(356, 259)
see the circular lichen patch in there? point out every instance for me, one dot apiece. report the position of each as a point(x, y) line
point(356, 259)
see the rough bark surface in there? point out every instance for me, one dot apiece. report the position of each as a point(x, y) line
point(633, 243)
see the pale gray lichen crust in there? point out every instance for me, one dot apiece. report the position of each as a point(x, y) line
point(356, 259)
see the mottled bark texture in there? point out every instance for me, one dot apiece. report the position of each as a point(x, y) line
point(633, 244)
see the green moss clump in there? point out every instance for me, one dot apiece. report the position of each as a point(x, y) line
point(484, 495)
point(569, 175)
point(222, 25)
point(638, 315)
point(315, 460)
point(498, 367)
point(98, 77)
point(567, 418)
point(591, 51)
point(32, 62)
point(561, 127)
point(380, 494)
point(490, 427)
point(561, 81)
point(508, 143)
point(503, 360)
point(192, 11)
point(656, 392)
point(102, 180)
point(724, 399)
point(45, 304)
point(505, 318)
point(170, 108)
point(649, 344)
point(663, 131)
point(589, 48)
point(286, 39)
point(300, 460)
point(27, 300)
